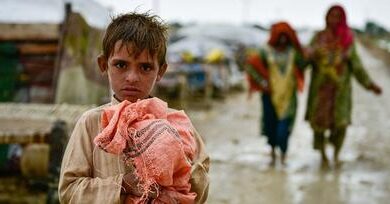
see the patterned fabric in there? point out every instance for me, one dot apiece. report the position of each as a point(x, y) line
point(160, 145)
point(334, 62)
point(330, 100)
point(91, 175)
point(286, 67)
point(282, 85)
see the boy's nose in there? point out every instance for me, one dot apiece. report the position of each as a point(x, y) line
point(132, 76)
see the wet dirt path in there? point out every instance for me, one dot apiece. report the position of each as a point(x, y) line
point(240, 172)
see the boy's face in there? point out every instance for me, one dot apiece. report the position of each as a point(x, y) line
point(131, 77)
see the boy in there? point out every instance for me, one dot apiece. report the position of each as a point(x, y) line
point(134, 49)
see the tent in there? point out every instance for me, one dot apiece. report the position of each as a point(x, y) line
point(198, 46)
point(56, 47)
point(232, 34)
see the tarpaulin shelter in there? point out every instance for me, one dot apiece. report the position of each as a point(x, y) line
point(231, 34)
point(48, 51)
point(198, 46)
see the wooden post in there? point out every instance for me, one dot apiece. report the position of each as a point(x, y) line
point(183, 90)
point(60, 52)
point(208, 89)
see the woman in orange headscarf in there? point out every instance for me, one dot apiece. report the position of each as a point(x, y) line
point(276, 71)
point(335, 61)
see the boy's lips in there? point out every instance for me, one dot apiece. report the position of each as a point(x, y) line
point(130, 90)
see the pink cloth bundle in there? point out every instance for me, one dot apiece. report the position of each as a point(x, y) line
point(158, 142)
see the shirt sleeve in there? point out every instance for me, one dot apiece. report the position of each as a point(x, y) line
point(300, 61)
point(199, 171)
point(357, 68)
point(256, 69)
point(77, 184)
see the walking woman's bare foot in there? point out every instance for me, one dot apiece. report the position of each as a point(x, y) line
point(337, 163)
point(273, 157)
point(324, 160)
point(324, 164)
point(336, 159)
point(283, 159)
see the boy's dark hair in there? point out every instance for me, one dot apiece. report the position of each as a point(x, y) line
point(141, 30)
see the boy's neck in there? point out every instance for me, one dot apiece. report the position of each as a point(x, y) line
point(116, 98)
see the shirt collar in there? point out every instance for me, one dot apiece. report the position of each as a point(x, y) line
point(115, 101)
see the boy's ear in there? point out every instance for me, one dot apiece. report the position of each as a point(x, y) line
point(161, 71)
point(102, 62)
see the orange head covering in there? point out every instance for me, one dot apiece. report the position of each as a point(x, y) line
point(280, 28)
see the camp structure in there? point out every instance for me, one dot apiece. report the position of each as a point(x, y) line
point(48, 52)
point(48, 78)
point(199, 66)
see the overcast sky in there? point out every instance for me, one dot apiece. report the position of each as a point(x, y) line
point(298, 12)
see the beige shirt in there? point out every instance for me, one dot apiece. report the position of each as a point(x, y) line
point(91, 175)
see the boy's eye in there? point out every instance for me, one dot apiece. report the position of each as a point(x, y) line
point(146, 67)
point(120, 65)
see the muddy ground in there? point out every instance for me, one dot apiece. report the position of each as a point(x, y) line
point(240, 172)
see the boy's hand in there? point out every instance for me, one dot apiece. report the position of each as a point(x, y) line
point(130, 185)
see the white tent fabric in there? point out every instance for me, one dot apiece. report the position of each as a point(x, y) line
point(198, 46)
point(231, 33)
point(246, 35)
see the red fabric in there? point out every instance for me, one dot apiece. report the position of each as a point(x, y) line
point(158, 143)
point(300, 79)
point(342, 30)
point(253, 86)
point(255, 61)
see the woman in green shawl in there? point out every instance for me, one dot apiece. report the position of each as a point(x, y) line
point(335, 60)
